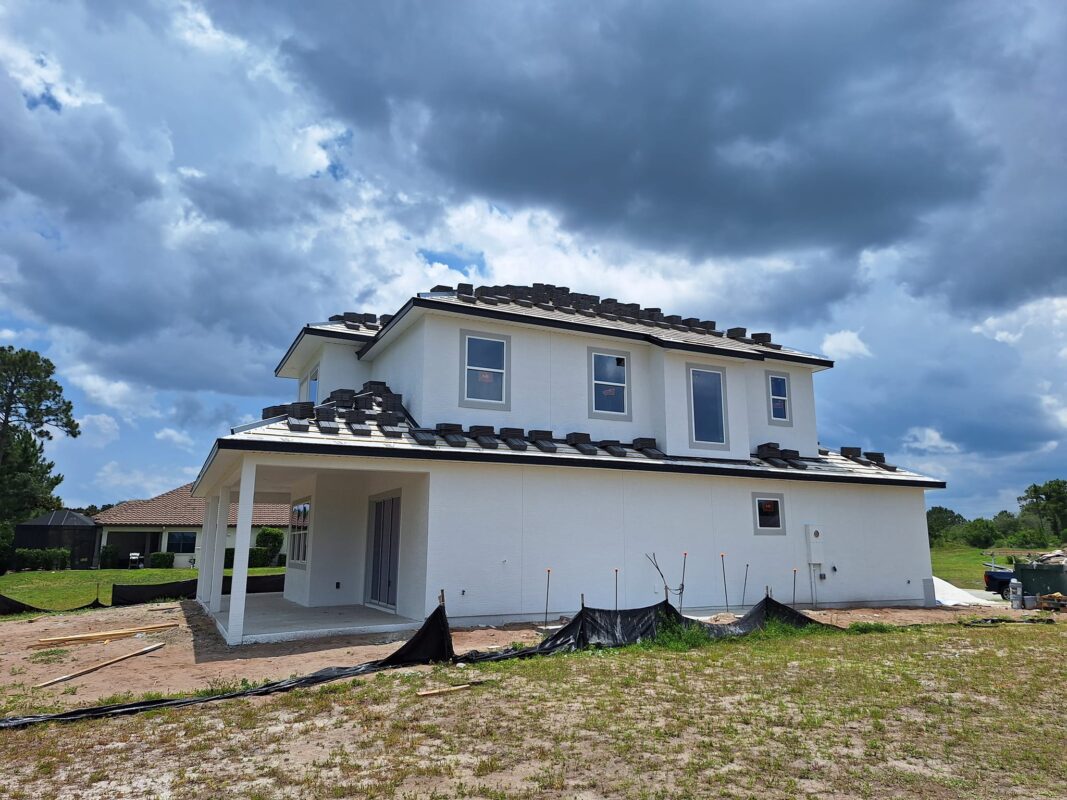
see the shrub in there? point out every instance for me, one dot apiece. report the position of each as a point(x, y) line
point(42, 558)
point(280, 560)
point(7, 547)
point(271, 539)
point(260, 556)
point(161, 560)
point(109, 557)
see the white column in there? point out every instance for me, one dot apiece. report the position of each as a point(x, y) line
point(205, 560)
point(235, 623)
point(218, 558)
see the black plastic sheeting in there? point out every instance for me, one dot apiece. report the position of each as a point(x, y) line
point(432, 643)
point(132, 594)
point(257, 584)
point(9, 605)
point(601, 627)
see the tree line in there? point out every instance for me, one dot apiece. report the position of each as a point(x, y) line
point(1040, 522)
point(32, 408)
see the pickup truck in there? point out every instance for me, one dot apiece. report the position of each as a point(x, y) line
point(998, 580)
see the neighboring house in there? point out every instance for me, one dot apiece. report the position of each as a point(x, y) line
point(480, 437)
point(173, 523)
point(63, 528)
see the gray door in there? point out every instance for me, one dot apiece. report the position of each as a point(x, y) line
point(385, 553)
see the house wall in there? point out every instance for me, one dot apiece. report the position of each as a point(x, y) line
point(494, 531)
point(338, 548)
point(550, 387)
point(182, 560)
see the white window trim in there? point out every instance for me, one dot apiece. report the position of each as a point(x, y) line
point(760, 530)
point(292, 536)
point(626, 415)
point(464, 365)
point(771, 397)
point(695, 443)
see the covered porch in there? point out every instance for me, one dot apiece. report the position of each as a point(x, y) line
point(272, 618)
point(357, 545)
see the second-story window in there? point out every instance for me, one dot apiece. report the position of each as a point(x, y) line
point(313, 385)
point(610, 373)
point(778, 410)
point(485, 369)
point(707, 408)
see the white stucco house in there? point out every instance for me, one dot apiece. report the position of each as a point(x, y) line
point(173, 522)
point(478, 438)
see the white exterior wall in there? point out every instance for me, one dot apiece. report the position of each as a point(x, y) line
point(490, 555)
point(800, 434)
point(403, 366)
point(338, 546)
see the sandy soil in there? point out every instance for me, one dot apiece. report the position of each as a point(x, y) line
point(195, 656)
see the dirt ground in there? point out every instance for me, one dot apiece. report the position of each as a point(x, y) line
point(195, 656)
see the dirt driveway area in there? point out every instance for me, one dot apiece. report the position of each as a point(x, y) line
point(196, 657)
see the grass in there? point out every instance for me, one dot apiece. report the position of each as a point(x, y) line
point(73, 588)
point(963, 566)
point(783, 714)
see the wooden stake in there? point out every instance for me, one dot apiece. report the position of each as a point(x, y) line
point(101, 665)
point(446, 690)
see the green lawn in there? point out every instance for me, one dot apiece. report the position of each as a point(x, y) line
point(962, 566)
point(76, 587)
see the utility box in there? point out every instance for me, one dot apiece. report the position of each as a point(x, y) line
point(813, 536)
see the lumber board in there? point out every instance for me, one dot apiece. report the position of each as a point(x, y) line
point(99, 636)
point(101, 665)
point(446, 690)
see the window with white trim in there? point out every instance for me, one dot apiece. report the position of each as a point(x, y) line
point(778, 397)
point(181, 542)
point(707, 407)
point(299, 530)
point(610, 377)
point(485, 369)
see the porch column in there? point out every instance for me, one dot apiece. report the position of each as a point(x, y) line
point(207, 551)
point(218, 557)
point(235, 623)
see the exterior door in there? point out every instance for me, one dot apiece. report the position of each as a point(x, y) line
point(385, 551)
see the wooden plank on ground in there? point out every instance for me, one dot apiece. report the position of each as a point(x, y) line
point(101, 665)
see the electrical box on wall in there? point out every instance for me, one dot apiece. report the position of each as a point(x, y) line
point(814, 535)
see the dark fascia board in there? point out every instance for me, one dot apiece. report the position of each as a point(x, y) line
point(474, 310)
point(507, 457)
point(308, 330)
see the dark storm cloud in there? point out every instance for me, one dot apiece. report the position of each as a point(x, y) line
point(707, 129)
point(76, 161)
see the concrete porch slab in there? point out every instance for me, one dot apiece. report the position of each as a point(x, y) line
point(269, 617)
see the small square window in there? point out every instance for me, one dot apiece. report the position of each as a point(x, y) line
point(768, 513)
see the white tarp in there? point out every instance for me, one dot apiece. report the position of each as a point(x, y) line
point(948, 595)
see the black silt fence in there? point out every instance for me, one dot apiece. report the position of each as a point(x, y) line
point(432, 643)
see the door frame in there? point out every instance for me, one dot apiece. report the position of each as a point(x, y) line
point(368, 572)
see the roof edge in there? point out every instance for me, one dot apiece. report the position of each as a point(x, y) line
point(309, 330)
point(307, 448)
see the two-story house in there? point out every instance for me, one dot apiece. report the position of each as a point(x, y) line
point(479, 438)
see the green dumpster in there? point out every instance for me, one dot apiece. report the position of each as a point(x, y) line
point(1042, 578)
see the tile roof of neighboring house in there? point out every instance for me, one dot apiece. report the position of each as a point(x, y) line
point(557, 306)
point(372, 421)
point(63, 518)
point(179, 507)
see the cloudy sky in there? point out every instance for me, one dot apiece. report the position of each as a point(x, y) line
point(182, 185)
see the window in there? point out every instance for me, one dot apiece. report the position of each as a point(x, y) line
point(609, 384)
point(707, 408)
point(778, 406)
point(313, 385)
point(484, 379)
point(181, 542)
point(299, 528)
point(768, 513)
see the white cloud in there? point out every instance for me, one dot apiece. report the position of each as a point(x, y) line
point(175, 437)
point(139, 483)
point(844, 345)
point(928, 440)
point(98, 430)
point(119, 395)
